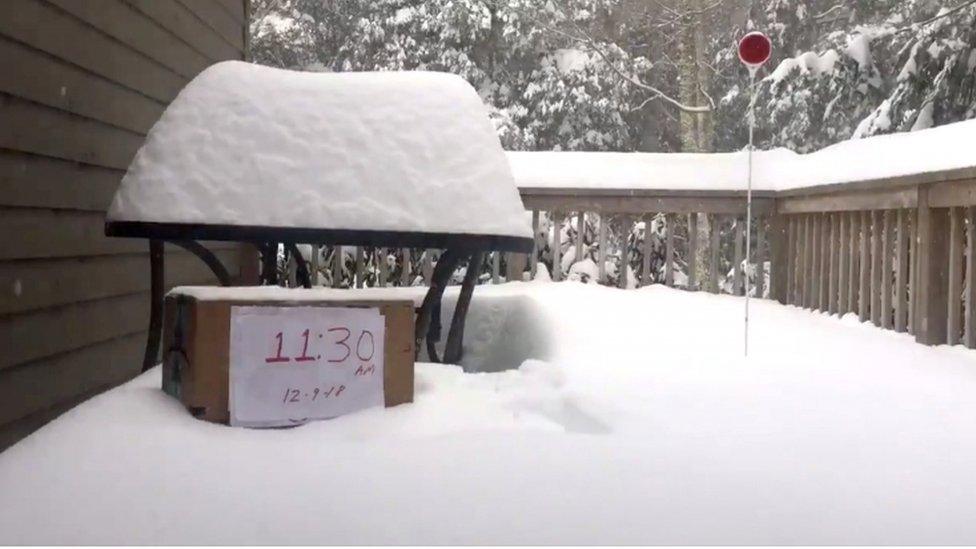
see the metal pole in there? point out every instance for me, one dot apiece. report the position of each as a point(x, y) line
point(752, 124)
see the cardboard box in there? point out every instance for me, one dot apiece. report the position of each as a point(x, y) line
point(196, 343)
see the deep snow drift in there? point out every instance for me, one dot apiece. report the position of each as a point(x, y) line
point(643, 424)
point(244, 144)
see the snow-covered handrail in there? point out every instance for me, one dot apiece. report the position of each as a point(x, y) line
point(883, 227)
point(944, 152)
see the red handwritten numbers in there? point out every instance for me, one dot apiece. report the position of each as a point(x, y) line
point(359, 346)
point(342, 342)
point(339, 336)
point(304, 356)
point(291, 364)
point(278, 357)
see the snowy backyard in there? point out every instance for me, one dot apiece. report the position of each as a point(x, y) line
point(638, 421)
point(431, 272)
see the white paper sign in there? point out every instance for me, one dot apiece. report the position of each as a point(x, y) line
point(289, 365)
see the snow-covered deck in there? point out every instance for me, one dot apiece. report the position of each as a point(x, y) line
point(642, 423)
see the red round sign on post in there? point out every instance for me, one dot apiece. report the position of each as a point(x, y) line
point(755, 49)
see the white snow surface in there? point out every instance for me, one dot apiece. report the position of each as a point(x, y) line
point(943, 148)
point(643, 424)
point(244, 144)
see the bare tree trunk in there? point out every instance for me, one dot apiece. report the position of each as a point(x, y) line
point(695, 127)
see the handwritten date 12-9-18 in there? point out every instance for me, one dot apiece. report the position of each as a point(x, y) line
point(300, 395)
point(334, 338)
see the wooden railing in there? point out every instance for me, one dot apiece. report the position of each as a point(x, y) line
point(900, 253)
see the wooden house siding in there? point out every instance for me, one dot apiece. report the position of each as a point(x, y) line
point(82, 83)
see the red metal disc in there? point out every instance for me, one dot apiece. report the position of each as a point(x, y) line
point(755, 49)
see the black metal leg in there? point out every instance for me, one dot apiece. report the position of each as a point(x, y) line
point(157, 284)
point(454, 349)
point(269, 264)
point(434, 332)
point(301, 267)
point(438, 283)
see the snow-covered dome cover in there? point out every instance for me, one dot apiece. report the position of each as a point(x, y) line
point(248, 145)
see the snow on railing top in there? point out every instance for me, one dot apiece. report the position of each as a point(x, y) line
point(893, 156)
point(249, 145)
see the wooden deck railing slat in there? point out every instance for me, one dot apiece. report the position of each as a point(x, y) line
point(886, 266)
point(602, 248)
point(557, 250)
point(759, 258)
point(954, 313)
point(670, 228)
point(901, 272)
point(714, 247)
point(738, 285)
point(646, 250)
point(625, 226)
point(969, 324)
point(693, 252)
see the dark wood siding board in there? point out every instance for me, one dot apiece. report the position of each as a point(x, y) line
point(45, 233)
point(36, 181)
point(32, 74)
point(44, 283)
point(183, 24)
point(130, 26)
point(39, 129)
point(19, 428)
point(39, 385)
point(48, 28)
point(38, 334)
point(218, 20)
point(234, 8)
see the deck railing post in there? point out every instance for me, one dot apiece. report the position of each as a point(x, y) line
point(738, 287)
point(360, 267)
point(886, 267)
point(557, 246)
point(534, 259)
point(625, 226)
point(954, 315)
point(876, 252)
point(384, 267)
point(580, 234)
point(969, 324)
point(601, 249)
point(313, 265)
point(864, 268)
point(515, 266)
point(714, 248)
point(692, 252)
point(646, 250)
point(336, 266)
point(901, 271)
point(932, 282)
point(759, 258)
point(406, 269)
point(669, 227)
point(250, 261)
point(780, 258)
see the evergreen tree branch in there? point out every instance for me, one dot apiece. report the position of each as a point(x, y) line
point(916, 26)
point(584, 38)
